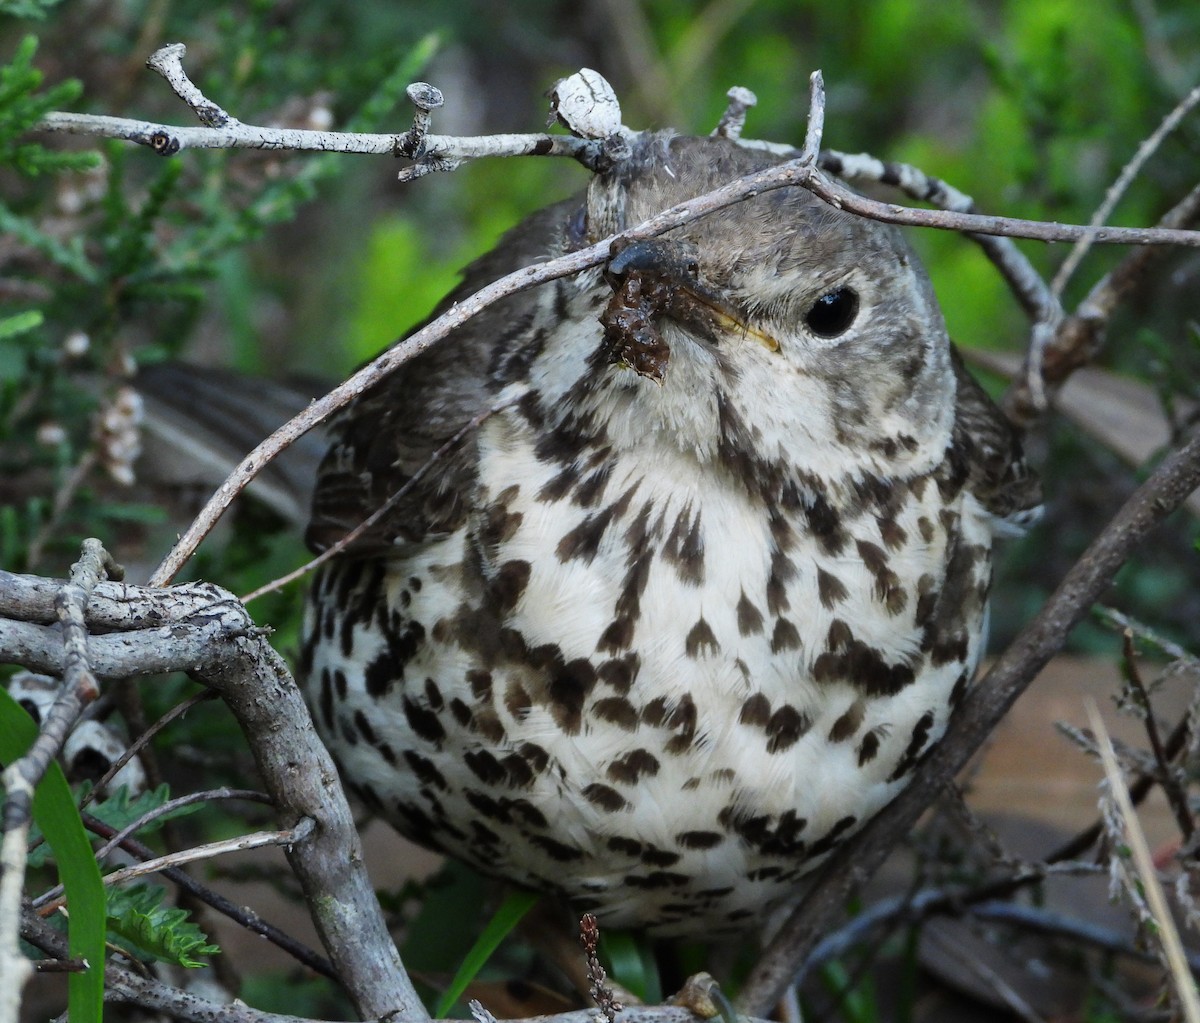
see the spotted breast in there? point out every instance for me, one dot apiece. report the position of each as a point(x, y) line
point(685, 607)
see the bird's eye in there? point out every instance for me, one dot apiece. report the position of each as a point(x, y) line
point(832, 314)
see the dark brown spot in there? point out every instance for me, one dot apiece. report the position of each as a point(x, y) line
point(630, 767)
point(616, 710)
point(362, 725)
point(535, 756)
point(582, 542)
point(684, 547)
point(591, 489)
point(556, 850)
point(785, 637)
point(425, 770)
point(423, 721)
point(605, 797)
point(750, 619)
point(498, 524)
point(785, 728)
point(462, 713)
point(379, 675)
point(619, 672)
point(617, 637)
point(868, 748)
point(657, 880)
point(509, 583)
point(756, 711)
point(916, 743)
point(862, 666)
point(700, 840)
point(700, 640)
point(659, 857)
point(845, 726)
point(557, 486)
point(830, 589)
point(485, 767)
point(891, 533)
point(782, 570)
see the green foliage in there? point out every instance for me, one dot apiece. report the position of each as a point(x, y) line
point(22, 106)
point(139, 923)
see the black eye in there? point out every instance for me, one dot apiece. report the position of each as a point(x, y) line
point(833, 313)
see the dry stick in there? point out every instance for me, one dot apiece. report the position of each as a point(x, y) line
point(1053, 358)
point(510, 284)
point(801, 172)
point(983, 707)
point(241, 915)
point(21, 777)
point(1167, 934)
point(287, 836)
point(141, 741)
point(1168, 778)
point(335, 549)
point(221, 130)
point(1124, 180)
point(170, 806)
point(222, 648)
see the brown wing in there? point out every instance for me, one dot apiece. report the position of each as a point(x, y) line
point(393, 430)
point(997, 473)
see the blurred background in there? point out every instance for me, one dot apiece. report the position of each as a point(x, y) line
point(283, 264)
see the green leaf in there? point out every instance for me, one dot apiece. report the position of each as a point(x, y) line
point(148, 929)
point(21, 323)
point(55, 813)
point(510, 913)
point(631, 962)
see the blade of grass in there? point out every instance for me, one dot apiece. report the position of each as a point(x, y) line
point(510, 913)
point(55, 813)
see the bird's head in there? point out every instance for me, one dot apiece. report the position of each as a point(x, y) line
point(779, 326)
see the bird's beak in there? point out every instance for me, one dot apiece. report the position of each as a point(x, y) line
point(670, 286)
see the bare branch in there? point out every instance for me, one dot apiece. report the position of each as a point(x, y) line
point(288, 836)
point(983, 707)
point(170, 806)
point(1054, 357)
point(734, 119)
point(244, 916)
point(335, 549)
point(1118, 188)
point(221, 646)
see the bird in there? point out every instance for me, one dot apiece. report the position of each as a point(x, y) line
point(678, 565)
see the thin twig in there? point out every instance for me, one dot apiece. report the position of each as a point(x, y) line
point(1185, 987)
point(142, 741)
point(288, 836)
point(982, 708)
point(243, 916)
point(335, 549)
point(1168, 777)
point(1053, 357)
point(170, 806)
point(1118, 188)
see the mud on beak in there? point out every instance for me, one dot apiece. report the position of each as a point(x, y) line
point(662, 279)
